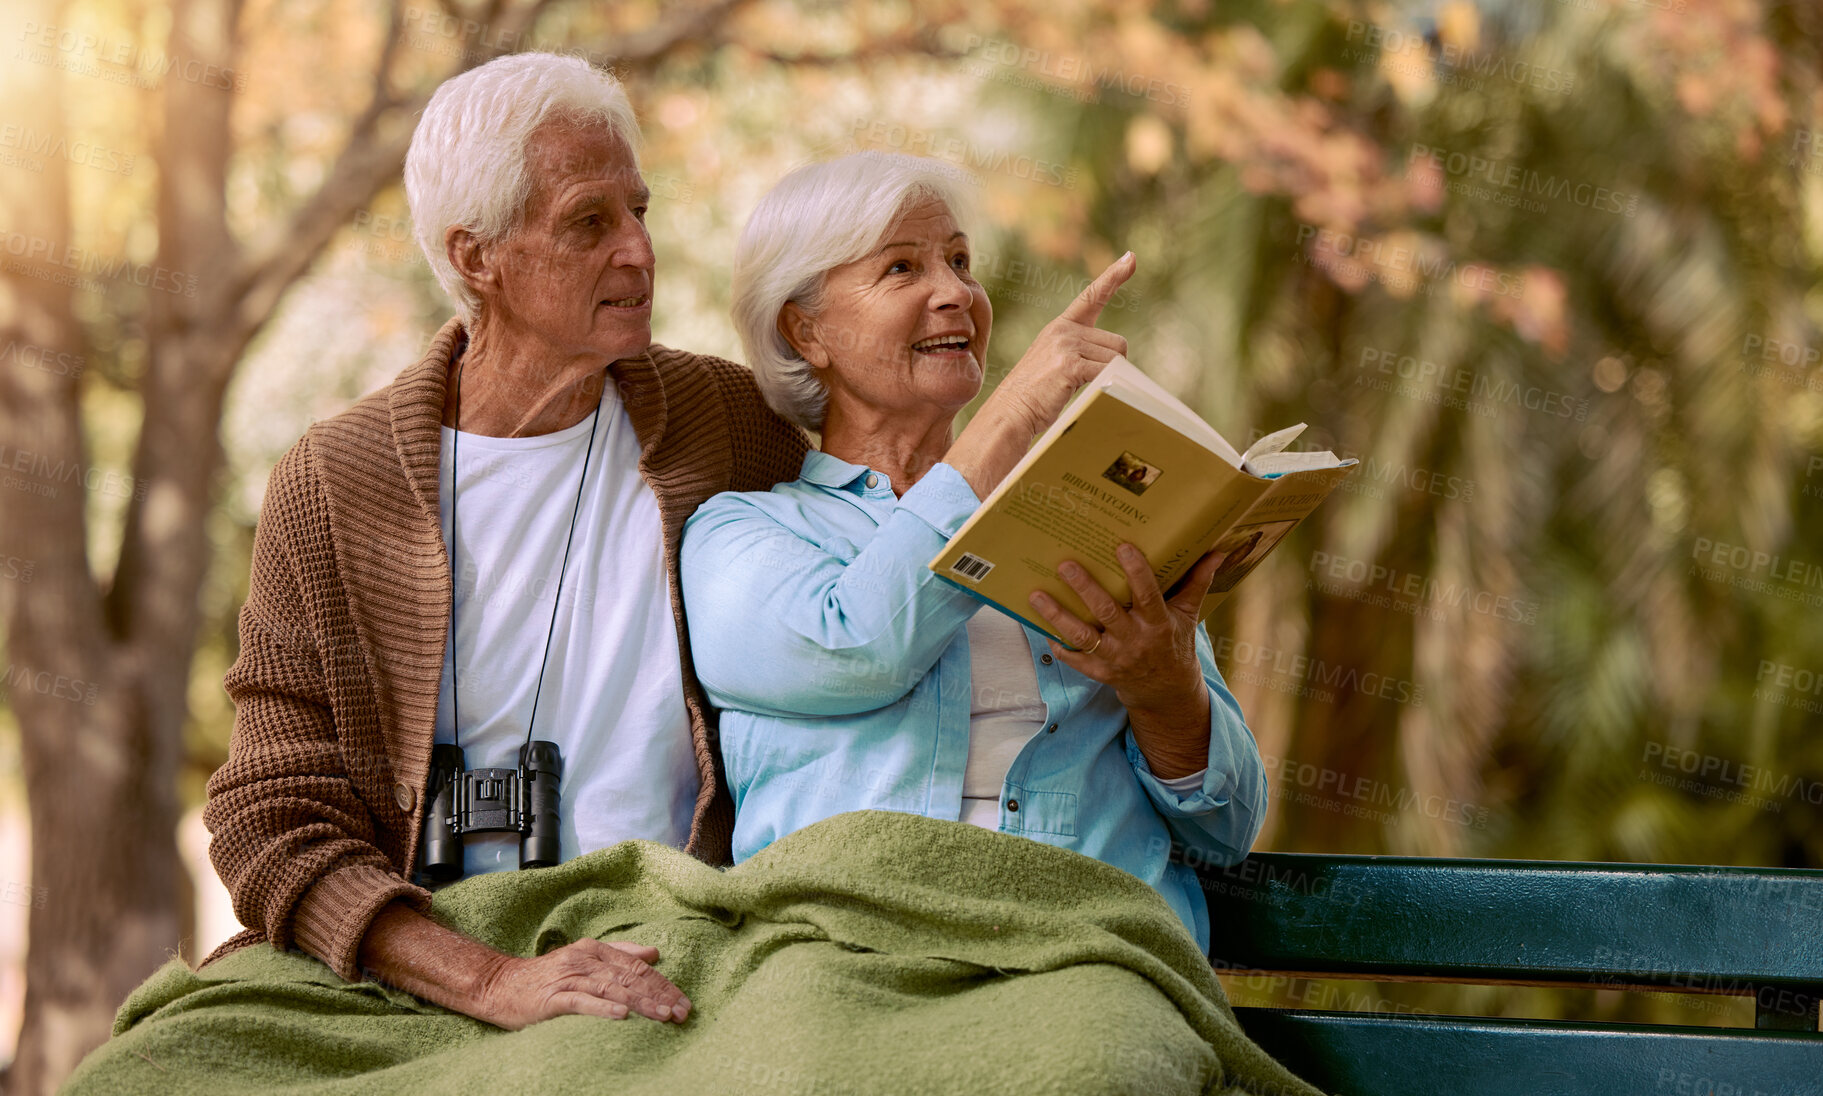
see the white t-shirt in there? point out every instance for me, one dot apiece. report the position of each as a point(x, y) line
point(613, 696)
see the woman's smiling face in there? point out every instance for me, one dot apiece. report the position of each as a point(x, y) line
point(903, 328)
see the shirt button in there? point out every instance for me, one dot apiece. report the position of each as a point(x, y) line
point(1046, 659)
point(1052, 729)
point(1012, 804)
point(872, 480)
point(403, 795)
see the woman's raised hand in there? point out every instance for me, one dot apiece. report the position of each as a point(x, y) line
point(1068, 352)
point(1066, 355)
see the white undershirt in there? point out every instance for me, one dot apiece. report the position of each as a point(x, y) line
point(1005, 711)
point(612, 698)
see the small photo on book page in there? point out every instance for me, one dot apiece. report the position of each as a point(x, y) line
point(1131, 472)
point(1246, 546)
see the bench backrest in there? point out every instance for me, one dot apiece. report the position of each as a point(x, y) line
point(1755, 932)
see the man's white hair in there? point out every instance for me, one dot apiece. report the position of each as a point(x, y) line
point(817, 218)
point(466, 165)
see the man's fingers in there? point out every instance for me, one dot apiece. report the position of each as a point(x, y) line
point(1086, 308)
point(575, 1002)
point(629, 966)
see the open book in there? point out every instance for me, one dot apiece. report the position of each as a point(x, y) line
point(1128, 461)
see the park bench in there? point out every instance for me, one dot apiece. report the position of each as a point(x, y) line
point(1754, 932)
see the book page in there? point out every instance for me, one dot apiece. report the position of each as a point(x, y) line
point(1125, 380)
point(1113, 474)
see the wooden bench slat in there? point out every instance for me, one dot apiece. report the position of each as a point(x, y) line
point(1364, 1054)
point(1691, 928)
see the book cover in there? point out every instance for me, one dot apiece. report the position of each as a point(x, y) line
point(1123, 463)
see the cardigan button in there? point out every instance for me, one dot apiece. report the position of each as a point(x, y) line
point(403, 795)
point(1052, 729)
point(1046, 659)
point(1012, 805)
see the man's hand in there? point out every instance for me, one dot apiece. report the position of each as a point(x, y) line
point(589, 977)
point(586, 978)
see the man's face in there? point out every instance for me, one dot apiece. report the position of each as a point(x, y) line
point(577, 274)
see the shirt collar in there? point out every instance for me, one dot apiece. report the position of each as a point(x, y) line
point(826, 471)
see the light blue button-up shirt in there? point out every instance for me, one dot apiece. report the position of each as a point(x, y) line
point(841, 665)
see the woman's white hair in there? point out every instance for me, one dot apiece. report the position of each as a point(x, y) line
point(817, 218)
point(466, 165)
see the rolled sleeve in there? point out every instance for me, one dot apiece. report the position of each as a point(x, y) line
point(943, 500)
point(843, 631)
point(1221, 815)
point(333, 917)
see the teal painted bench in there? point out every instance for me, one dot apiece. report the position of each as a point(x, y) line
point(1755, 932)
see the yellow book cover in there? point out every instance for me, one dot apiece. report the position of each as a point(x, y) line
point(1127, 461)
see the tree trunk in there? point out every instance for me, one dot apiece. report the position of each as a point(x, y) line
point(97, 672)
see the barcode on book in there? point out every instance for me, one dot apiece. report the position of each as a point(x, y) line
point(971, 567)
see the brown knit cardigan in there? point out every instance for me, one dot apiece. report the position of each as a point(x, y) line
point(315, 816)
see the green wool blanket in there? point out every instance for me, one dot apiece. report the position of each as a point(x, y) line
point(872, 953)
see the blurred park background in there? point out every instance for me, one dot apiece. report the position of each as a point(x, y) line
point(1548, 269)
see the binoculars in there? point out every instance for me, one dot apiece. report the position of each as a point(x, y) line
point(462, 801)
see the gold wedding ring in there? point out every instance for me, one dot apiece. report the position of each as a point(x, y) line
point(1099, 636)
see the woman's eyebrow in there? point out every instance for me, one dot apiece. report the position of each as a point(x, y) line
point(884, 248)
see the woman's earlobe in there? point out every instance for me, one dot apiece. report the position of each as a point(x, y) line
point(799, 330)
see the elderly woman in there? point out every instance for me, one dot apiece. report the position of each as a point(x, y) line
point(848, 675)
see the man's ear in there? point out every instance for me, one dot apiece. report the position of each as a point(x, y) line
point(801, 331)
point(472, 260)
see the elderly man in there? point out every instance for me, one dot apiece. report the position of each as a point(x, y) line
point(399, 599)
